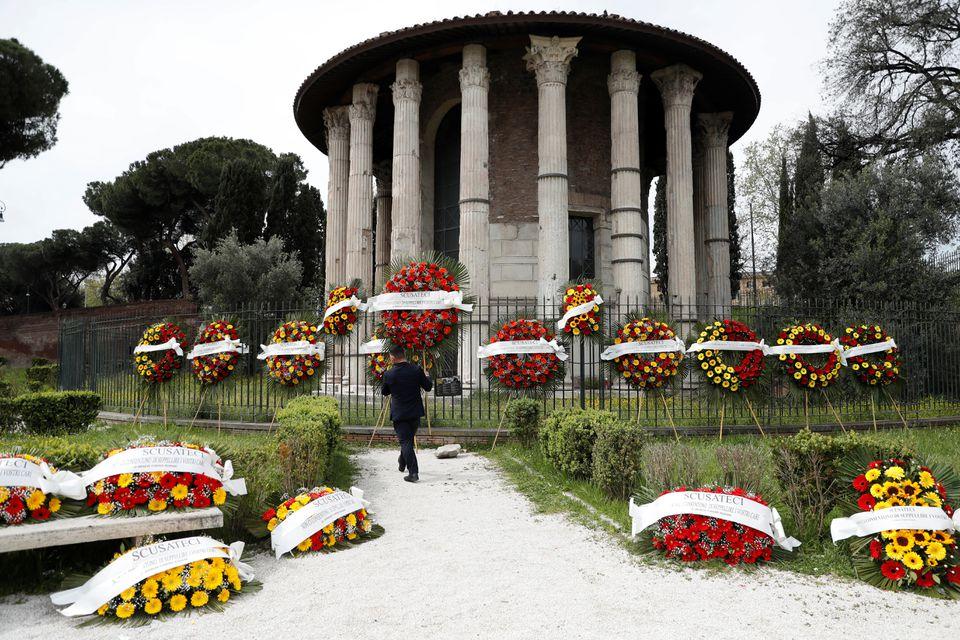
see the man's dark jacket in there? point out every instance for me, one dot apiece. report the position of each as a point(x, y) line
point(403, 382)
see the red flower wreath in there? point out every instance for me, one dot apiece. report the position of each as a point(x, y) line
point(344, 320)
point(527, 371)
point(804, 373)
point(294, 369)
point(875, 369)
point(740, 376)
point(21, 504)
point(159, 366)
point(646, 370)
point(214, 368)
point(421, 330)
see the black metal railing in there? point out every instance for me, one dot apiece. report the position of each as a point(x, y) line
point(97, 355)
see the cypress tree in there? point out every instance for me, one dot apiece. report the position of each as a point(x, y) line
point(736, 255)
point(784, 220)
point(661, 272)
point(808, 177)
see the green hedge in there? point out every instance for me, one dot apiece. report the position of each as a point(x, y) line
point(618, 458)
point(42, 376)
point(567, 437)
point(8, 414)
point(53, 412)
point(308, 434)
point(522, 417)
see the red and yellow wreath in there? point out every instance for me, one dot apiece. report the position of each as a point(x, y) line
point(215, 367)
point(646, 370)
point(341, 313)
point(159, 365)
point(801, 367)
point(578, 296)
point(292, 369)
point(716, 363)
point(537, 367)
point(350, 529)
point(20, 504)
point(880, 368)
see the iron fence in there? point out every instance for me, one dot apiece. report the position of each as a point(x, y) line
point(98, 355)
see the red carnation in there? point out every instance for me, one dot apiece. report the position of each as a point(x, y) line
point(860, 483)
point(892, 570)
point(866, 502)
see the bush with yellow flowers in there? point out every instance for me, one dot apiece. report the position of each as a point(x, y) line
point(646, 370)
point(877, 369)
point(291, 370)
point(718, 366)
point(341, 321)
point(801, 368)
point(159, 366)
point(214, 368)
point(25, 504)
point(348, 530)
point(587, 323)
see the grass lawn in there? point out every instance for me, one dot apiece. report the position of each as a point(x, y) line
point(554, 492)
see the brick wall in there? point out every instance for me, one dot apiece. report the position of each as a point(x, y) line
point(36, 335)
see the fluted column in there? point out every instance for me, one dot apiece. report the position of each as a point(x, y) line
point(550, 59)
point(630, 253)
point(677, 84)
point(337, 122)
point(699, 229)
point(714, 128)
point(382, 245)
point(474, 170)
point(405, 233)
point(360, 201)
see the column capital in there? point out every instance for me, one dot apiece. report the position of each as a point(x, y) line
point(406, 89)
point(474, 75)
point(364, 105)
point(337, 122)
point(677, 84)
point(713, 128)
point(549, 58)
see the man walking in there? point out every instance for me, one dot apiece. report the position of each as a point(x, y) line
point(403, 382)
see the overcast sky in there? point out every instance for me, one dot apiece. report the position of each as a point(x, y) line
point(148, 75)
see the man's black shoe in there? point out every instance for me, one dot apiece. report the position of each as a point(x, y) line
point(413, 477)
point(403, 467)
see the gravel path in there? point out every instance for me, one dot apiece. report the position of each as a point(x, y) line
point(463, 557)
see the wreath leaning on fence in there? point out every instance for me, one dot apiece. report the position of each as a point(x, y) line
point(585, 297)
point(523, 373)
point(343, 307)
point(155, 364)
point(716, 363)
point(877, 369)
point(292, 369)
point(646, 370)
point(213, 368)
point(801, 368)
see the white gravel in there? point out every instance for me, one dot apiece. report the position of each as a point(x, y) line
point(464, 557)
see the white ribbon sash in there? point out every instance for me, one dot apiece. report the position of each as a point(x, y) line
point(220, 346)
point(865, 349)
point(727, 345)
point(513, 347)
point(642, 346)
point(151, 459)
point(868, 523)
point(312, 517)
point(352, 301)
point(418, 301)
point(374, 346)
point(579, 310)
point(140, 564)
point(783, 349)
point(298, 348)
point(739, 509)
point(19, 472)
point(169, 344)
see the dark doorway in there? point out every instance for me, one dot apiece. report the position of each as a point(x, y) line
point(446, 186)
point(582, 261)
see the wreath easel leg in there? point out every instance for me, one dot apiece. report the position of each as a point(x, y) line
point(834, 411)
point(873, 412)
point(203, 393)
point(426, 398)
point(143, 402)
point(723, 403)
point(503, 416)
point(755, 420)
point(895, 406)
point(666, 410)
point(379, 423)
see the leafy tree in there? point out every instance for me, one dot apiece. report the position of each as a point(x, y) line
point(152, 275)
point(736, 253)
point(662, 270)
point(116, 250)
point(29, 102)
point(235, 273)
point(894, 66)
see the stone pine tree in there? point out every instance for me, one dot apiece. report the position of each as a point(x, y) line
point(661, 272)
point(736, 253)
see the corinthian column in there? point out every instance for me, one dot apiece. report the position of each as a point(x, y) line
point(550, 59)
point(360, 201)
point(714, 128)
point(700, 230)
point(630, 253)
point(406, 213)
point(337, 122)
point(382, 245)
point(474, 171)
point(676, 84)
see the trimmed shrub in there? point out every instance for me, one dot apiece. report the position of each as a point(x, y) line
point(567, 437)
point(6, 389)
point(42, 376)
point(618, 458)
point(309, 432)
point(63, 452)
point(54, 412)
point(668, 465)
point(39, 362)
point(9, 416)
point(523, 419)
point(807, 467)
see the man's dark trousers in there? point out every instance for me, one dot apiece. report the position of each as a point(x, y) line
point(406, 431)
